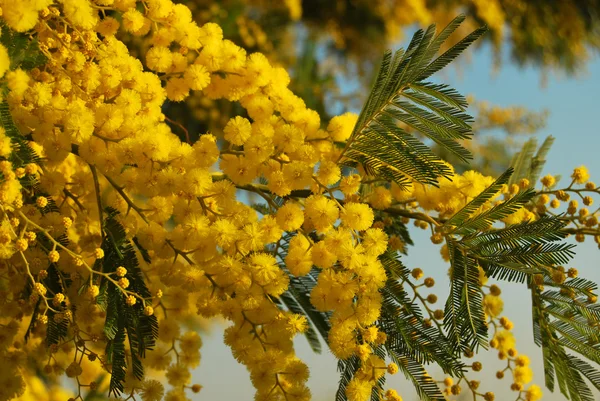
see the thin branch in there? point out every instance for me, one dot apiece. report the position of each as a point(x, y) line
point(69, 194)
point(130, 203)
point(305, 193)
point(98, 198)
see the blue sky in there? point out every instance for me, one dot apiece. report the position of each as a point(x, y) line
point(573, 104)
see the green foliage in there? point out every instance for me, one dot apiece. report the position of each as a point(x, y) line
point(464, 317)
point(566, 322)
point(57, 325)
point(347, 369)
point(400, 95)
point(403, 321)
point(123, 322)
point(527, 163)
point(411, 343)
point(513, 253)
point(470, 208)
point(295, 306)
point(22, 153)
point(23, 50)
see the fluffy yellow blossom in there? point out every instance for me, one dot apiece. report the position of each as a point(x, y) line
point(522, 374)
point(357, 216)
point(80, 13)
point(358, 390)
point(503, 341)
point(133, 20)
point(321, 212)
point(493, 305)
point(197, 76)
point(159, 59)
point(381, 198)
point(340, 127)
point(22, 15)
point(290, 217)
point(152, 390)
point(548, 181)
point(533, 393)
point(238, 130)
point(350, 184)
point(329, 173)
point(580, 175)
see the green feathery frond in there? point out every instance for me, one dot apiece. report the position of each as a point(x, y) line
point(521, 161)
point(545, 229)
point(400, 95)
point(518, 251)
point(23, 50)
point(347, 368)
point(485, 220)
point(396, 227)
point(411, 344)
point(565, 322)
point(22, 153)
point(57, 328)
point(528, 163)
point(513, 253)
point(539, 160)
point(427, 388)
point(463, 316)
point(297, 300)
point(124, 321)
point(402, 319)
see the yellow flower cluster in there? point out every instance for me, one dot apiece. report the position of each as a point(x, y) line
point(504, 341)
point(451, 195)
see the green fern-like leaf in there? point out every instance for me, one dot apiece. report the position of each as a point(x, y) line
point(400, 95)
point(464, 317)
point(22, 153)
point(485, 220)
point(122, 320)
point(539, 160)
point(347, 369)
point(513, 253)
point(23, 50)
point(527, 163)
point(563, 325)
point(411, 343)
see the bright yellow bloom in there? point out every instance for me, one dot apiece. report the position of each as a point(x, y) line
point(580, 175)
point(290, 217)
point(238, 130)
point(357, 216)
point(358, 390)
point(340, 127)
point(533, 393)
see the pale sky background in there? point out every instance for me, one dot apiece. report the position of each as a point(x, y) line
point(573, 104)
